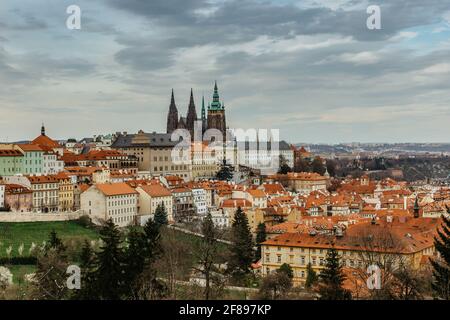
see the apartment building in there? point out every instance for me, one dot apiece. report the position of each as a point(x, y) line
point(66, 191)
point(150, 196)
point(116, 201)
point(45, 193)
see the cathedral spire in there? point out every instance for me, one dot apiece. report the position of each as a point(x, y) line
point(191, 115)
point(172, 116)
point(216, 105)
point(203, 108)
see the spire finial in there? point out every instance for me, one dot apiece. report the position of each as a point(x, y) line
point(43, 129)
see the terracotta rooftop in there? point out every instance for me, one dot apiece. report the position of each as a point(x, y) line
point(115, 189)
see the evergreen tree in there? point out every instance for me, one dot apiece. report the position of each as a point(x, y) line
point(332, 279)
point(152, 236)
point(87, 257)
point(261, 236)
point(311, 276)
point(441, 267)
point(54, 242)
point(241, 250)
point(225, 172)
point(161, 215)
point(108, 276)
point(143, 282)
point(134, 262)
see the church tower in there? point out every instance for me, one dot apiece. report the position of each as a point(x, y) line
point(216, 113)
point(172, 116)
point(191, 115)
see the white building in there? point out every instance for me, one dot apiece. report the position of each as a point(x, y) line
point(117, 201)
point(51, 164)
point(199, 199)
point(220, 218)
point(150, 196)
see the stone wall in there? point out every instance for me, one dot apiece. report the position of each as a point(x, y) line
point(36, 217)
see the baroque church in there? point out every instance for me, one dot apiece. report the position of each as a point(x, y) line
point(214, 118)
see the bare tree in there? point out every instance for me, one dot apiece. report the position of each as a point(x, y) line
point(175, 261)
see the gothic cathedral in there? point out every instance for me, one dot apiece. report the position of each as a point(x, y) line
point(214, 120)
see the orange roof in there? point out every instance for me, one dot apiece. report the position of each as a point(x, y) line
point(180, 190)
point(61, 175)
point(115, 189)
point(156, 190)
point(16, 188)
point(409, 237)
point(83, 187)
point(42, 179)
point(103, 154)
point(29, 147)
point(272, 188)
point(234, 203)
point(44, 141)
point(10, 153)
point(256, 193)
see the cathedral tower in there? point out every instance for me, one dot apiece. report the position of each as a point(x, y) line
point(172, 116)
point(216, 113)
point(191, 115)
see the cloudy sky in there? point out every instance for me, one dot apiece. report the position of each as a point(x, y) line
point(310, 68)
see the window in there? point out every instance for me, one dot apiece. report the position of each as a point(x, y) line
point(279, 258)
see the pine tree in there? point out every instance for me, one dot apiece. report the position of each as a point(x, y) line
point(143, 283)
point(261, 236)
point(152, 236)
point(441, 267)
point(108, 276)
point(87, 257)
point(225, 172)
point(241, 251)
point(134, 261)
point(332, 279)
point(161, 215)
point(311, 276)
point(55, 242)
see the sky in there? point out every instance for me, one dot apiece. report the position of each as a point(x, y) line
point(310, 68)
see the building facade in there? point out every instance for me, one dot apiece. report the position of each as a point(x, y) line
point(116, 201)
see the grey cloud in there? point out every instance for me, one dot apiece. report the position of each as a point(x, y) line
point(145, 57)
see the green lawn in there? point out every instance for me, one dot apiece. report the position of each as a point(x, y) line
point(17, 233)
point(19, 271)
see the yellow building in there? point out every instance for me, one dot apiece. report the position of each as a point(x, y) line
point(204, 161)
point(359, 246)
point(66, 192)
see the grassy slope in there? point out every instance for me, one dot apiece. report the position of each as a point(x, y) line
point(27, 232)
